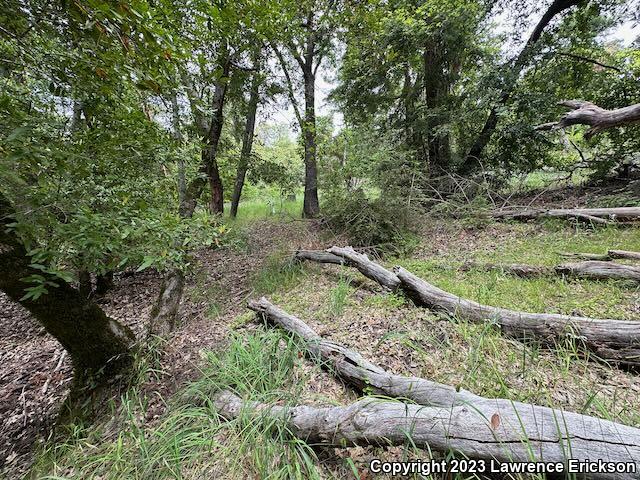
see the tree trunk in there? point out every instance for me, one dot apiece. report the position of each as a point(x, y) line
point(104, 283)
point(96, 343)
point(599, 119)
point(247, 141)
point(311, 204)
point(616, 341)
point(492, 430)
point(472, 160)
point(435, 91)
point(212, 140)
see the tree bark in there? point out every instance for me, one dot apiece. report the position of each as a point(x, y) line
point(247, 140)
point(311, 204)
point(472, 160)
point(597, 270)
point(369, 269)
point(96, 343)
point(490, 429)
point(319, 257)
point(591, 214)
point(212, 140)
point(615, 341)
point(622, 254)
point(599, 119)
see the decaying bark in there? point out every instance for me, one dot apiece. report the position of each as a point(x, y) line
point(599, 119)
point(617, 341)
point(596, 215)
point(623, 254)
point(605, 257)
point(319, 257)
point(369, 269)
point(164, 314)
point(491, 429)
point(598, 270)
point(357, 371)
point(517, 269)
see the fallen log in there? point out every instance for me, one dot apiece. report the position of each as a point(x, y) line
point(517, 269)
point(615, 341)
point(597, 270)
point(356, 370)
point(623, 254)
point(611, 340)
point(319, 256)
point(491, 429)
point(596, 215)
point(348, 256)
point(605, 257)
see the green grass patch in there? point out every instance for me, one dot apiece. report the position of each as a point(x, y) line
point(192, 441)
point(279, 273)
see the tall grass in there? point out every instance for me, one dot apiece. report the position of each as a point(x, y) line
point(192, 441)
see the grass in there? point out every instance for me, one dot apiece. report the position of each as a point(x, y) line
point(252, 210)
point(279, 272)
point(192, 441)
point(338, 296)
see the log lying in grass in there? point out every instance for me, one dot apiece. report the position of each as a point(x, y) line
point(517, 269)
point(354, 369)
point(605, 257)
point(348, 256)
point(624, 255)
point(319, 256)
point(598, 270)
point(595, 215)
point(506, 432)
point(611, 340)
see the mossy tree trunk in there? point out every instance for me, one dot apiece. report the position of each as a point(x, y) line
point(96, 343)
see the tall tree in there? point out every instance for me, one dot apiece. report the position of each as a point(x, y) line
point(513, 70)
point(308, 41)
point(248, 134)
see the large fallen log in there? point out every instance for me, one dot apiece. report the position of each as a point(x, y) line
point(596, 215)
point(605, 257)
point(357, 371)
point(490, 429)
point(598, 270)
point(616, 341)
point(319, 256)
point(348, 256)
point(611, 340)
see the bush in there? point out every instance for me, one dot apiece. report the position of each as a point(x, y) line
point(385, 224)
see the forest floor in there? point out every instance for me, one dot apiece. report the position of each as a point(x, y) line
point(163, 427)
